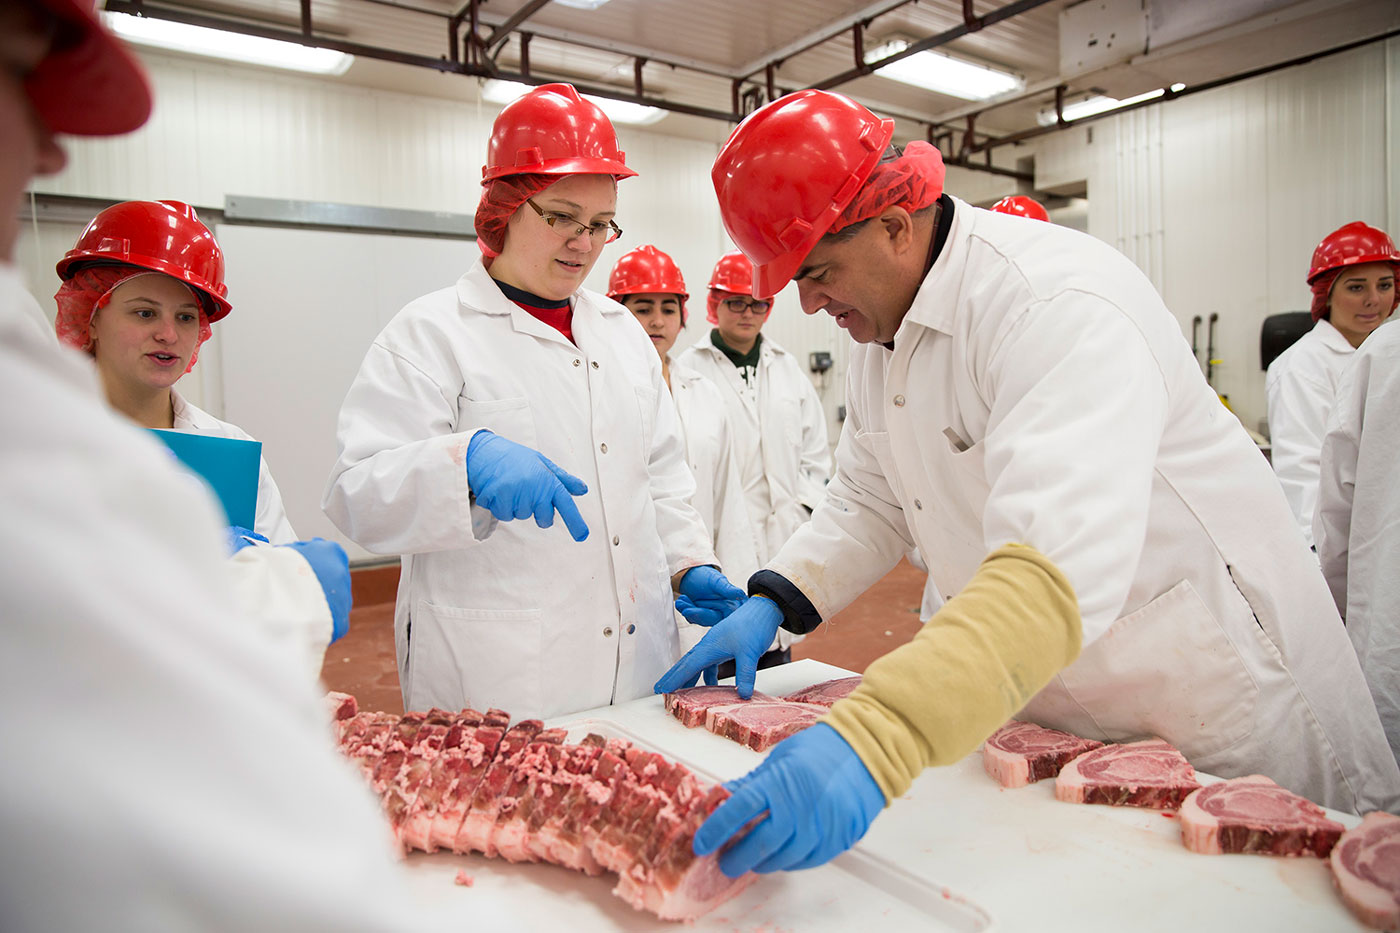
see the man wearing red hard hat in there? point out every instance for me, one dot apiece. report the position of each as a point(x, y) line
point(153, 706)
point(1119, 559)
point(1018, 205)
point(1352, 278)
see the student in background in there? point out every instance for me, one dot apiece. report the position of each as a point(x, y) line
point(649, 284)
point(1352, 277)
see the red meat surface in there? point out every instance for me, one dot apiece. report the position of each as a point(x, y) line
point(1150, 774)
point(1021, 753)
point(1254, 815)
point(1365, 866)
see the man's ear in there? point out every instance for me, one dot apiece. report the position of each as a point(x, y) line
point(898, 228)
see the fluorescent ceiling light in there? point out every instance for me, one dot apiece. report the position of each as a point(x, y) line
point(232, 46)
point(1099, 104)
point(935, 71)
point(496, 91)
point(582, 4)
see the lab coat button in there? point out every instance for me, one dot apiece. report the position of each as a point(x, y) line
point(631, 629)
point(918, 504)
point(616, 539)
point(899, 401)
point(607, 632)
point(595, 364)
point(578, 362)
point(603, 448)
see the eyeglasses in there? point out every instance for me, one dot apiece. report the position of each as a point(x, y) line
point(740, 305)
point(571, 229)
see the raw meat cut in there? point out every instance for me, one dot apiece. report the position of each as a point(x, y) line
point(689, 705)
point(760, 725)
point(1150, 774)
point(1366, 870)
point(1254, 815)
point(341, 705)
point(827, 693)
point(1020, 753)
point(471, 781)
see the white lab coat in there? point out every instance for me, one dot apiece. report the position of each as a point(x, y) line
point(509, 614)
point(271, 519)
point(719, 496)
point(1301, 384)
point(180, 774)
point(1039, 392)
point(780, 437)
point(1358, 515)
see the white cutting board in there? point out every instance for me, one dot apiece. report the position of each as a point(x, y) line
point(957, 852)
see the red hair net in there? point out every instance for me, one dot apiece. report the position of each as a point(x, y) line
point(91, 288)
point(912, 181)
point(1322, 290)
point(500, 199)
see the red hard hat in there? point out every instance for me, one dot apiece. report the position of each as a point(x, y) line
point(786, 174)
point(1021, 206)
point(163, 236)
point(88, 84)
point(646, 270)
point(1352, 245)
point(733, 273)
point(553, 131)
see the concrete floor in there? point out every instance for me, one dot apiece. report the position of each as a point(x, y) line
point(362, 663)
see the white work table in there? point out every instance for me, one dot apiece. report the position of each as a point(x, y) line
point(957, 852)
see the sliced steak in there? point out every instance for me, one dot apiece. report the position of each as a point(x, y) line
point(1254, 815)
point(1366, 870)
point(689, 705)
point(341, 706)
point(1020, 753)
point(1150, 774)
point(760, 724)
point(825, 693)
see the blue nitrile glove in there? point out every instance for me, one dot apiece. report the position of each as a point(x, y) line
point(332, 569)
point(240, 537)
point(820, 800)
point(707, 596)
point(515, 481)
point(742, 635)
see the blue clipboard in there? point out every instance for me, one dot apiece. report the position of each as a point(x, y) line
point(228, 464)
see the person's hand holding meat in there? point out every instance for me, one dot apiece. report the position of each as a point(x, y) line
point(707, 596)
point(514, 481)
point(742, 635)
point(819, 798)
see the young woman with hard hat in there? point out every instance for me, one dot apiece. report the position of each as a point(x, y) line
point(1022, 407)
point(1352, 278)
point(778, 421)
point(648, 283)
point(125, 667)
point(512, 395)
point(141, 289)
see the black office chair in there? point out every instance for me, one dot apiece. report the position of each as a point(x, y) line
point(1281, 331)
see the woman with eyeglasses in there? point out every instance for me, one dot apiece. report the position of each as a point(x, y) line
point(778, 422)
point(485, 411)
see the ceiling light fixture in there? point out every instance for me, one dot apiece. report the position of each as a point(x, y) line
point(582, 4)
point(231, 46)
point(496, 91)
point(935, 71)
point(1098, 103)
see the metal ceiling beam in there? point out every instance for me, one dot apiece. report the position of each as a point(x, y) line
point(503, 31)
point(969, 25)
point(817, 37)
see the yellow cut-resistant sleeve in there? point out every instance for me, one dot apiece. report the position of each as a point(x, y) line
point(971, 667)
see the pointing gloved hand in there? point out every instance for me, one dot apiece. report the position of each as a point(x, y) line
point(707, 596)
point(819, 797)
point(332, 569)
point(742, 635)
point(515, 481)
point(240, 537)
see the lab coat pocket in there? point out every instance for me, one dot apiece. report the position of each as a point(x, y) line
point(646, 407)
point(477, 658)
point(1167, 670)
point(511, 418)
